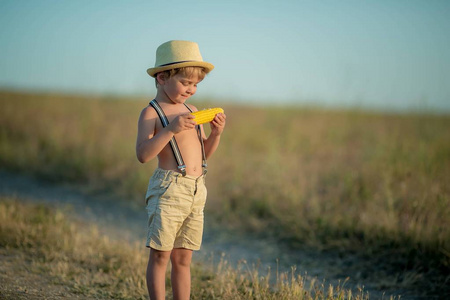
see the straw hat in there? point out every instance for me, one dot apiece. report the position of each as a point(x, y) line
point(178, 54)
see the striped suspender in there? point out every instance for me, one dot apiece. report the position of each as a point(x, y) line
point(199, 131)
point(173, 142)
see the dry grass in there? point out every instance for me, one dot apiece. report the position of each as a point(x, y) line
point(352, 180)
point(90, 265)
point(72, 254)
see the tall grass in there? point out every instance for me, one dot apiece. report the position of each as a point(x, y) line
point(92, 265)
point(71, 139)
point(348, 179)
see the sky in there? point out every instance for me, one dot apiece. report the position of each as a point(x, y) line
point(392, 55)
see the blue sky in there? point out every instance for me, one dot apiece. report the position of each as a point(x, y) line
point(384, 54)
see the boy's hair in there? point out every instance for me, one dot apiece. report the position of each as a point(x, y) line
point(186, 71)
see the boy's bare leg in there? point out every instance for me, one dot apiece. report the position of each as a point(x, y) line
point(181, 273)
point(156, 274)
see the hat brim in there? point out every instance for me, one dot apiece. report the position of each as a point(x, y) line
point(203, 64)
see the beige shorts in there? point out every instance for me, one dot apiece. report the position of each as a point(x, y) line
point(175, 210)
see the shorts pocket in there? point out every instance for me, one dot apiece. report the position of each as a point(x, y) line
point(156, 189)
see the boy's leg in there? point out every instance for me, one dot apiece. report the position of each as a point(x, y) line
point(181, 273)
point(156, 274)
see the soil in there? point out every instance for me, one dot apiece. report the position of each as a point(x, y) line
point(17, 281)
point(123, 219)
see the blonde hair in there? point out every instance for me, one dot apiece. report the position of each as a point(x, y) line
point(185, 71)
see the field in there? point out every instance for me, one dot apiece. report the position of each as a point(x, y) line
point(73, 260)
point(365, 182)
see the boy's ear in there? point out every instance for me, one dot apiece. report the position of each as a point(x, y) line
point(161, 78)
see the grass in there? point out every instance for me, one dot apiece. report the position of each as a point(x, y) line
point(91, 265)
point(375, 183)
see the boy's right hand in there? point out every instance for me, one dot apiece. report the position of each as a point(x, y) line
point(182, 122)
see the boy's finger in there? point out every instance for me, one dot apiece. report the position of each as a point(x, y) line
point(221, 117)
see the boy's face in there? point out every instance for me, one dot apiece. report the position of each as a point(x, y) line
point(180, 87)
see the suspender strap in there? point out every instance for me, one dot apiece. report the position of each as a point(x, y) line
point(199, 131)
point(173, 142)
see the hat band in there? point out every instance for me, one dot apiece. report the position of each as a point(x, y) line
point(177, 62)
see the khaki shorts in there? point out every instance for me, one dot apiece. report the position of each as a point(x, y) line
point(175, 210)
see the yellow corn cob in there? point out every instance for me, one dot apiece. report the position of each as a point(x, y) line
point(206, 115)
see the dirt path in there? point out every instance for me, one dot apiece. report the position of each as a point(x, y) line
point(36, 287)
point(126, 220)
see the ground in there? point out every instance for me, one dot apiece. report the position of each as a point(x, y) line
point(19, 282)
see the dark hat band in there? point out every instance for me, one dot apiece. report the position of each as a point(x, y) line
point(174, 63)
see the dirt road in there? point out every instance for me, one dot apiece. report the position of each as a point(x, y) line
point(123, 219)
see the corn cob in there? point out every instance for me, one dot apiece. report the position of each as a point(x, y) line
point(206, 115)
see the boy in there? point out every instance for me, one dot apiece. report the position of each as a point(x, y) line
point(176, 194)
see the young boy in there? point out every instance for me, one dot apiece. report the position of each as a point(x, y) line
point(176, 194)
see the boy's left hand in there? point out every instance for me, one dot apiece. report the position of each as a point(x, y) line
point(218, 124)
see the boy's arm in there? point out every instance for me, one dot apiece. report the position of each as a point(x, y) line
point(217, 127)
point(148, 145)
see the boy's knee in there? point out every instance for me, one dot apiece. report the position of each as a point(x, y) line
point(181, 262)
point(181, 259)
point(159, 257)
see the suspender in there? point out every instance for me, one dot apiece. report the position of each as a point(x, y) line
point(199, 132)
point(173, 142)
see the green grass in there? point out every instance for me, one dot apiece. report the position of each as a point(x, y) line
point(351, 180)
point(90, 264)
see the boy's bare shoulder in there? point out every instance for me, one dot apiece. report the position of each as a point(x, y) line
point(146, 123)
point(192, 107)
point(148, 113)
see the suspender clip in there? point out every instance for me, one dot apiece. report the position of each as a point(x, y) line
point(182, 169)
